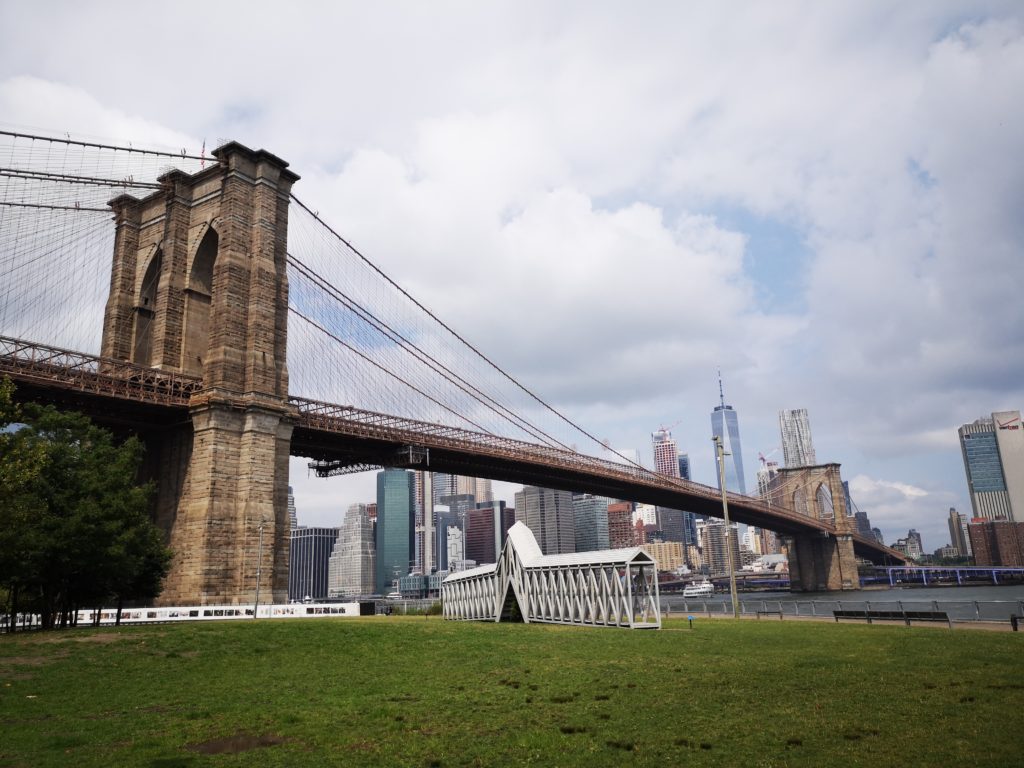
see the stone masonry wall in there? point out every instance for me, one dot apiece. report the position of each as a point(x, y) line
point(219, 481)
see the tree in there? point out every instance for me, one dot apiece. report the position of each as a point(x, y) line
point(81, 532)
point(22, 461)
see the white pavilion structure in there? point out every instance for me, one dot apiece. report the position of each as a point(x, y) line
point(606, 588)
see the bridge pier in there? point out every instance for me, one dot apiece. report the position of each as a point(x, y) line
point(199, 286)
point(235, 481)
point(822, 563)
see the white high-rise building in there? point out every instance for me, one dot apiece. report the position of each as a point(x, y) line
point(351, 570)
point(797, 446)
point(752, 540)
point(456, 544)
point(666, 455)
point(993, 451)
point(648, 513)
point(711, 534)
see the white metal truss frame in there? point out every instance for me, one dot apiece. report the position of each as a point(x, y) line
point(607, 588)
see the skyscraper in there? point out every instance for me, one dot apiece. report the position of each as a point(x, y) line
point(477, 487)
point(444, 519)
point(452, 512)
point(684, 466)
point(672, 523)
point(395, 523)
point(993, 451)
point(351, 570)
point(620, 525)
point(713, 543)
point(590, 516)
point(797, 446)
point(725, 425)
point(486, 529)
point(443, 484)
point(548, 513)
point(958, 535)
point(309, 553)
point(293, 516)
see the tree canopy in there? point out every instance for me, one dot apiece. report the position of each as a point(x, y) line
point(74, 520)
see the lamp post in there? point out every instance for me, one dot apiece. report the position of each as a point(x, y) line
point(259, 571)
point(721, 453)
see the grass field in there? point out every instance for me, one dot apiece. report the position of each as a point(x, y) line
point(410, 691)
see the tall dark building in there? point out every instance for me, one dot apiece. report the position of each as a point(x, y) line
point(486, 529)
point(396, 511)
point(684, 466)
point(310, 553)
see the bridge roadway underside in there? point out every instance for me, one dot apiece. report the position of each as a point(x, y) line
point(347, 449)
point(127, 414)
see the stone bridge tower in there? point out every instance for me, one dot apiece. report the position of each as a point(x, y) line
point(199, 286)
point(818, 562)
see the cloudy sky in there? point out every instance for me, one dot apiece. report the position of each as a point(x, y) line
point(613, 201)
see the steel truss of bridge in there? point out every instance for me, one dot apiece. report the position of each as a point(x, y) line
point(339, 436)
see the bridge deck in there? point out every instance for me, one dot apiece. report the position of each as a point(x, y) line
point(348, 435)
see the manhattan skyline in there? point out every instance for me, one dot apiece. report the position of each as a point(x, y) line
point(818, 199)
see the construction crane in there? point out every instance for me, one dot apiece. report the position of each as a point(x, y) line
point(670, 427)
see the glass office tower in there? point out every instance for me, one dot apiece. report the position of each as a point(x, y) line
point(395, 526)
point(725, 425)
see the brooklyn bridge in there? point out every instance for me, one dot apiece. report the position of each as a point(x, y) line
point(195, 301)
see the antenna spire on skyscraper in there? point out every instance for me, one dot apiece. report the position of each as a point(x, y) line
point(721, 392)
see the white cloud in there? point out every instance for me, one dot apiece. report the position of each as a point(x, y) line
point(547, 179)
point(896, 507)
point(62, 108)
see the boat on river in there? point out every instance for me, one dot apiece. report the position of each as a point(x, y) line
point(699, 589)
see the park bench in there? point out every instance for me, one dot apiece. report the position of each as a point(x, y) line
point(905, 616)
point(769, 613)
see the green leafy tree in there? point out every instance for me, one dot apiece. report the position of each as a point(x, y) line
point(84, 535)
point(22, 461)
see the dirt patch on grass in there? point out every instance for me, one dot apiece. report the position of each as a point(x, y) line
point(239, 742)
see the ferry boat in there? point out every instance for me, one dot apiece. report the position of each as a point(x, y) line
point(701, 589)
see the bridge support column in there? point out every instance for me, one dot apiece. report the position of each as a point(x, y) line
point(199, 286)
point(236, 480)
point(820, 563)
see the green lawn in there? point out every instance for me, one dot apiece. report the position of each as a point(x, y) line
point(410, 691)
